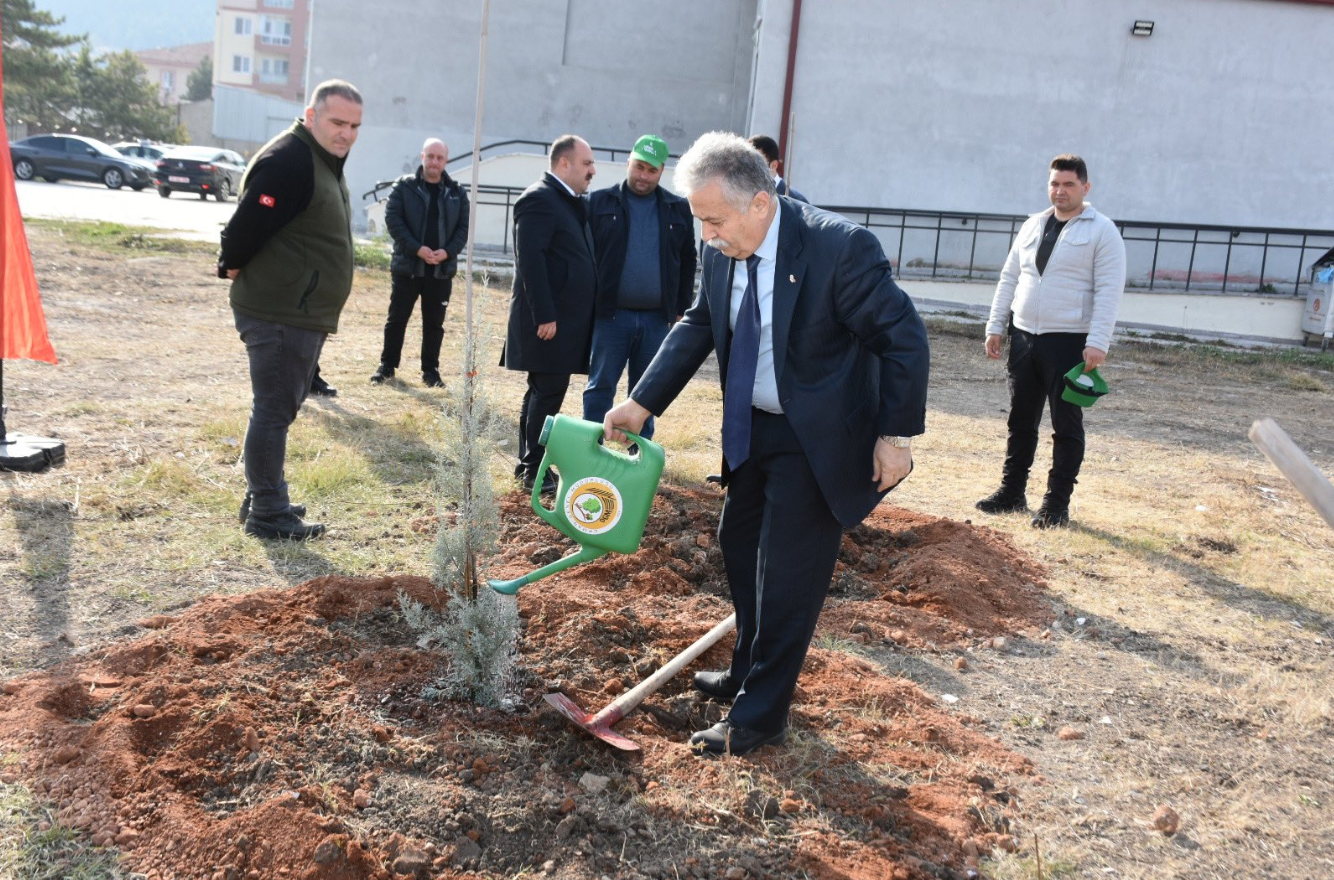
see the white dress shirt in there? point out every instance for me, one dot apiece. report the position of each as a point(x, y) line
point(766, 382)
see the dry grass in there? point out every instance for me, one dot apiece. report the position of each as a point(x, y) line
point(1193, 600)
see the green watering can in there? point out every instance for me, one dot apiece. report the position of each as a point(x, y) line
point(603, 496)
point(1083, 389)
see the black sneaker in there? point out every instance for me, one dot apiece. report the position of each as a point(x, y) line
point(321, 388)
point(1051, 516)
point(298, 509)
point(288, 526)
point(431, 379)
point(381, 373)
point(1003, 501)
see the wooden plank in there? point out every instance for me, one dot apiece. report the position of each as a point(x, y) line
point(1279, 448)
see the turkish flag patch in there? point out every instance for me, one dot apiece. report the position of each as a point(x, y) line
point(267, 201)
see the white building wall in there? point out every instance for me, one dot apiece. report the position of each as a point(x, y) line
point(606, 70)
point(1217, 118)
point(240, 115)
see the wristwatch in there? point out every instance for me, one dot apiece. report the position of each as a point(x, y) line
point(900, 442)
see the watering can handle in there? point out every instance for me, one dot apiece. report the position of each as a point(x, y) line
point(550, 514)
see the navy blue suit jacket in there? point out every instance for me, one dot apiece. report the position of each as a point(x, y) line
point(554, 280)
point(850, 351)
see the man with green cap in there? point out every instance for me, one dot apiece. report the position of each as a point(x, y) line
point(644, 239)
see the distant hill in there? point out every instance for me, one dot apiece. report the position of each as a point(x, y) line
point(136, 24)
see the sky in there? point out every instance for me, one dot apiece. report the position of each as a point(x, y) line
point(135, 24)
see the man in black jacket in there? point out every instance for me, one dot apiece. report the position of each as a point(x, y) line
point(288, 253)
point(768, 148)
point(551, 310)
point(644, 238)
point(427, 217)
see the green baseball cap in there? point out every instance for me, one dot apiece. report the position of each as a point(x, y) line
point(651, 149)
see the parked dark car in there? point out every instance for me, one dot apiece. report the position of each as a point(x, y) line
point(204, 170)
point(143, 150)
point(56, 156)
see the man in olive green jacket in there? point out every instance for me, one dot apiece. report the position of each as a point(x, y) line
point(288, 252)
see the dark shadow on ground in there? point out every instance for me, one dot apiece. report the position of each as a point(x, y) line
point(46, 536)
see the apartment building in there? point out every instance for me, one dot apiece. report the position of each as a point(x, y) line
point(168, 68)
point(260, 46)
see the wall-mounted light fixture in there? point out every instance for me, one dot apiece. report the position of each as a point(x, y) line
point(1142, 28)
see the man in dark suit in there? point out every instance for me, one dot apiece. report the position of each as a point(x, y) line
point(555, 285)
point(769, 147)
point(823, 361)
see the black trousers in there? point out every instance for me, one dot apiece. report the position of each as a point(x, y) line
point(544, 397)
point(1037, 366)
point(780, 542)
point(404, 291)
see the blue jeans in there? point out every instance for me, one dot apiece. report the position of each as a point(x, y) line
point(629, 336)
point(282, 362)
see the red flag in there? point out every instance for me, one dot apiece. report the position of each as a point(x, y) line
point(22, 324)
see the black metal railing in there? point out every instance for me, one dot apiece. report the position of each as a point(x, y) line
point(964, 246)
point(953, 245)
point(611, 153)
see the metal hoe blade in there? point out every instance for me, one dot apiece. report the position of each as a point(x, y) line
point(599, 724)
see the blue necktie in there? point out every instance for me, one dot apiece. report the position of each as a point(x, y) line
point(742, 359)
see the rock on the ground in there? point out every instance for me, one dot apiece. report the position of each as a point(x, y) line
point(412, 859)
point(593, 783)
point(462, 850)
point(1166, 820)
point(329, 850)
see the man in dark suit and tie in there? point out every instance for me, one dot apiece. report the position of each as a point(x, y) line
point(555, 287)
point(769, 147)
point(824, 363)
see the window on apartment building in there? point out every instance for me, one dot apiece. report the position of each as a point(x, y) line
point(275, 30)
point(243, 26)
point(168, 79)
point(240, 64)
point(278, 4)
point(273, 70)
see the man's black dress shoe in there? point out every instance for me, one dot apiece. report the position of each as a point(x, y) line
point(298, 509)
point(725, 738)
point(431, 379)
point(719, 685)
point(321, 388)
point(381, 373)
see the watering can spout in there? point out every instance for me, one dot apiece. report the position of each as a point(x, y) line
point(585, 554)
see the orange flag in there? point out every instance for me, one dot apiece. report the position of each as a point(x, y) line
point(22, 324)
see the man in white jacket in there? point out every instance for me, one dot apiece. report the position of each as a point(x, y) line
point(1058, 294)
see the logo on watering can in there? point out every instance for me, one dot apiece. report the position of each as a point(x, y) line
point(593, 506)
